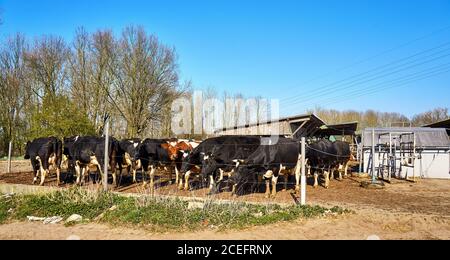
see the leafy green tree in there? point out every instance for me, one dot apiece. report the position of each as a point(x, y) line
point(58, 116)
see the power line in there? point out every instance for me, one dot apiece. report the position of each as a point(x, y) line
point(378, 77)
point(378, 54)
point(372, 90)
point(407, 77)
point(331, 86)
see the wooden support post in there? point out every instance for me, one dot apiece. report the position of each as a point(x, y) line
point(9, 156)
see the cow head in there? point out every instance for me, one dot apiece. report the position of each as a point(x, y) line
point(177, 149)
point(138, 151)
point(133, 150)
point(171, 150)
point(184, 149)
point(186, 165)
point(242, 176)
point(209, 165)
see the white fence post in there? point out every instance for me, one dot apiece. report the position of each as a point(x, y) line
point(373, 155)
point(105, 173)
point(361, 153)
point(303, 176)
point(9, 156)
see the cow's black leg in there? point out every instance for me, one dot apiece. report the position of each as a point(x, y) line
point(286, 181)
point(145, 165)
point(34, 163)
point(116, 179)
point(44, 170)
point(114, 171)
point(331, 173)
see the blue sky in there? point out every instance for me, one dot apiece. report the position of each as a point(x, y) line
point(306, 53)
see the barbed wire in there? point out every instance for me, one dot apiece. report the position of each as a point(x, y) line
point(334, 155)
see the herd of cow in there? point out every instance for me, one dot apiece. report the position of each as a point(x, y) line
point(241, 161)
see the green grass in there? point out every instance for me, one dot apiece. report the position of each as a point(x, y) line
point(152, 213)
point(6, 204)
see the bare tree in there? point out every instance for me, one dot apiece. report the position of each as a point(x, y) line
point(14, 90)
point(146, 81)
point(432, 116)
point(47, 64)
point(81, 70)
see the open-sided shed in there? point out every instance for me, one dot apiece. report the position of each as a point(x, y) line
point(295, 126)
point(308, 125)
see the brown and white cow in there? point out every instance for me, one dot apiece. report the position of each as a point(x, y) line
point(177, 151)
point(162, 153)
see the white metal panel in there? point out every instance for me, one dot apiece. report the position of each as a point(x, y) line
point(434, 164)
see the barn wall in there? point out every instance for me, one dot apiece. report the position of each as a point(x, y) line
point(435, 164)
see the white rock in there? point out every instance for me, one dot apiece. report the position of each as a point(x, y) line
point(373, 237)
point(33, 218)
point(53, 220)
point(74, 218)
point(8, 195)
point(196, 205)
point(73, 237)
point(258, 215)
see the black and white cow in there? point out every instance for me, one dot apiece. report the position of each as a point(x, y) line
point(89, 151)
point(225, 157)
point(194, 161)
point(68, 154)
point(43, 153)
point(129, 151)
point(344, 155)
point(152, 156)
point(327, 156)
point(274, 157)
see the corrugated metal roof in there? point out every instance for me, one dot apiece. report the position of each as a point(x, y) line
point(291, 119)
point(442, 124)
point(425, 137)
point(338, 129)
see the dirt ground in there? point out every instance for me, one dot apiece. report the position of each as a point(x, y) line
point(403, 210)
